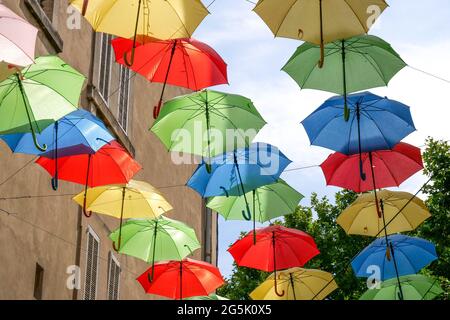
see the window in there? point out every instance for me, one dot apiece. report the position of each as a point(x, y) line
point(124, 97)
point(113, 277)
point(105, 65)
point(48, 7)
point(38, 281)
point(92, 257)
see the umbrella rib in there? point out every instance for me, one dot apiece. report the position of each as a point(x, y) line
point(192, 116)
point(388, 169)
point(356, 15)
point(378, 127)
point(179, 18)
point(56, 92)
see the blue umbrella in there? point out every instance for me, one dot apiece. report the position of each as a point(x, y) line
point(376, 123)
point(79, 132)
point(237, 172)
point(409, 256)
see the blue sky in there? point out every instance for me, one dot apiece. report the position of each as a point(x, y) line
point(418, 30)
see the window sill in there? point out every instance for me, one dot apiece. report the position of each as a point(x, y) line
point(95, 97)
point(45, 24)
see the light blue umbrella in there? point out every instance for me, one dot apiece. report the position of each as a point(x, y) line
point(376, 123)
point(79, 132)
point(237, 172)
point(408, 255)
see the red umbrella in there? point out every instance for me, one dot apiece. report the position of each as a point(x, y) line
point(111, 164)
point(181, 279)
point(276, 248)
point(390, 167)
point(180, 62)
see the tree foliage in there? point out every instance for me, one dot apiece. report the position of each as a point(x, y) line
point(337, 248)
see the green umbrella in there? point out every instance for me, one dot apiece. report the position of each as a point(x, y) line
point(268, 202)
point(212, 296)
point(413, 287)
point(38, 96)
point(156, 239)
point(204, 123)
point(354, 64)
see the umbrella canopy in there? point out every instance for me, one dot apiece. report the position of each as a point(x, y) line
point(276, 248)
point(237, 172)
point(34, 99)
point(361, 218)
point(181, 279)
point(185, 121)
point(17, 39)
point(318, 21)
point(298, 284)
point(212, 296)
point(355, 64)
point(79, 132)
point(184, 63)
point(6, 70)
point(376, 123)
point(157, 239)
point(411, 255)
point(414, 287)
point(390, 168)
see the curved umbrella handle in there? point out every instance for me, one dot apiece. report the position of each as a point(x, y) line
point(322, 56)
point(247, 214)
point(114, 246)
point(55, 182)
point(226, 192)
point(86, 213)
point(361, 170)
point(42, 148)
point(208, 167)
point(85, 6)
point(276, 288)
point(157, 110)
point(129, 63)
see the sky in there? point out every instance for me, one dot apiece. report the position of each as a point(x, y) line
point(418, 30)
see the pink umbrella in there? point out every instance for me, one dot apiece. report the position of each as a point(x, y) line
point(17, 39)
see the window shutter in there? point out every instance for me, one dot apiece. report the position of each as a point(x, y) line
point(92, 257)
point(113, 278)
point(105, 65)
point(124, 97)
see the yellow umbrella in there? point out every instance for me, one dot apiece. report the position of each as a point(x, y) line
point(319, 21)
point(161, 19)
point(361, 217)
point(297, 284)
point(136, 199)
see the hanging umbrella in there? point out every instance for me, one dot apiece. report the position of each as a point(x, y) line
point(17, 39)
point(212, 296)
point(318, 21)
point(111, 164)
point(276, 248)
point(361, 218)
point(354, 64)
point(207, 112)
point(184, 63)
point(161, 19)
point(267, 202)
point(375, 124)
point(181, 279)
point(155, 240)
point(42, 93)
point(414, 287)
point(298, 284)
point(135, 199)
point(79, 132)
point(410, 255)
point(7, 70)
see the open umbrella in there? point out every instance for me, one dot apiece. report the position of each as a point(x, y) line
point(298, 284)
point(414, 287)
point(319, 21)
point(35, 98)
point(181, 279)
point(361, 217)
point(135, 199)
point(184, 122)
point(184, 63)
point(409, 254)
point(17, 39)
point(376, 123)
point(161, 19)
point(354, 64)
point(111, 164)
point(156, 239)
point(276, 248)
point(267, 202)
point(79, 132)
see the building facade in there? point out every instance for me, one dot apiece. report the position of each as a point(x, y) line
point(48, 249)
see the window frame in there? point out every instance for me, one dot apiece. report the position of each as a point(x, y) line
point(90, 232)
point(124, 72)
point(113, 260)
point(102, 83)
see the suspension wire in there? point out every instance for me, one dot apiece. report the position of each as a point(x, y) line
point(430, 74)
point(17, 171)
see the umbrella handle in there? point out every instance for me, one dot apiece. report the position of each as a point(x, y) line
point(157, 109)
point(322, 56)
point(226, 192)
point(114, 246)
point(86, 213)
point(42, 148)
point(322, 46)
point(208, 168)
point(55, 182)
point(361, 171)
point(246, 214)
point(346, 109)
point(129, 63)
point(276, 288)
point(85, 6)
